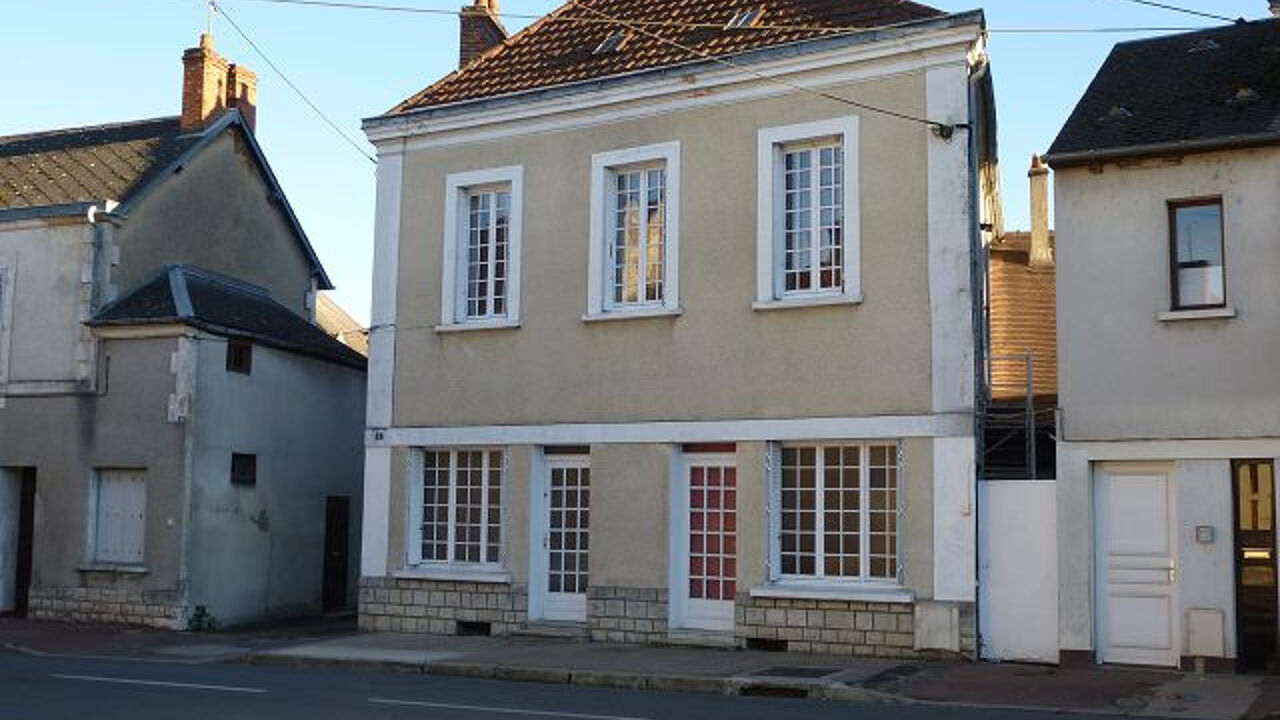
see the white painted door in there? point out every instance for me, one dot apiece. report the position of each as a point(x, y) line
point(1136, 565)
point(10, 509)
point(567, 538)
point(709, 538)
point(1018, 572)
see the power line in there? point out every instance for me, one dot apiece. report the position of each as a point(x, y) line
point(762, 27)
point(943, 128)
point(314, 108)
point(1188, 11)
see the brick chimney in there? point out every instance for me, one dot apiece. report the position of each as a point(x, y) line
point(204, 85)
point(211, 85)
point(1041, 252)
point(242, 93)
point(1275, 8)
point(480, 30)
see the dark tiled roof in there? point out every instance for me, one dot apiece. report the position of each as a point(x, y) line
point(224, 306)
point(88, 164)
point(555, 51)
point(1193, 88)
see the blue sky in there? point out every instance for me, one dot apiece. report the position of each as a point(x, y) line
point(85, 62)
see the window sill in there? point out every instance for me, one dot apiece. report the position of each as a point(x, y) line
point(805, 302)
point(645, 313)
point(121, 568)
point(856, 592)
point(456, 573)
point(1197, 314)
point(477, 326)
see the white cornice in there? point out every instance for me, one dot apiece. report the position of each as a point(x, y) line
point(599, 103)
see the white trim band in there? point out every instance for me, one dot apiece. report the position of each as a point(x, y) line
point(761, 430)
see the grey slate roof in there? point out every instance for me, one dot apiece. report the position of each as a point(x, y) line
point(1200, 90)
point(223, 306)
point(88, 164)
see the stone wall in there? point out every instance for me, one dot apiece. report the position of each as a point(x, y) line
point(828, 626)
point(437, 606)
point(159, 608)
point(627, 615)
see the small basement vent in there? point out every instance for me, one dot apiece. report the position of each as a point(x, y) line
point(745, 18)
point(767, 644)
point(474, 628)
point(611, 44)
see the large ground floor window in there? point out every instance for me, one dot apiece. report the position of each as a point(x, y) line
point(457, 507)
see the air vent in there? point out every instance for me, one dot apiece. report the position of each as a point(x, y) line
point(745, 18)
point(611, 44)
point(1204, 45)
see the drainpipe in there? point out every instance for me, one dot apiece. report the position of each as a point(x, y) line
point(977, 279)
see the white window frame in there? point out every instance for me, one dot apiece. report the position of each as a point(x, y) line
point(770, 146)
point(453, 286)
point(413, 534)
point(93, 551)
point(600, 304)
point(774, 511)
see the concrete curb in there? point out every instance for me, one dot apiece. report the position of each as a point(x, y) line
point(738, 685)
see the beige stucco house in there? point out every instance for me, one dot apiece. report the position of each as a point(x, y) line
point(179, 442)
point(673, 331)
point(1168, 326)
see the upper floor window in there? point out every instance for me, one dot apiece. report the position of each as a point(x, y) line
point(635, 229)
point(808, 224)
point(1196, 268)
point(240, 356)
point(481, 283)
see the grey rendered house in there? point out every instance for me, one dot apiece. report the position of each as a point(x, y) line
point(1167, 182)
point(178, 440)
point(663, 350)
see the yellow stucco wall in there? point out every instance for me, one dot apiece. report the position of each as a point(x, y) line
point(720, 359)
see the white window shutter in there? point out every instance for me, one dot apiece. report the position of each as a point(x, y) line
point(121, 521)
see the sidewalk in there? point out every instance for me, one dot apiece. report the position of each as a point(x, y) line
point(1121, 691)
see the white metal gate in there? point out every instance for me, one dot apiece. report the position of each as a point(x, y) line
point(1018, 570)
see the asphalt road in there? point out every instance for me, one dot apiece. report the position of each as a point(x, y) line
point(54, 687)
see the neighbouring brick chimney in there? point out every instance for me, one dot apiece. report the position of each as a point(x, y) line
point(242, 93)
point(204, 85)
point(211, 85)
point(480, 30)
point(1041, 252)
point(1275, 8)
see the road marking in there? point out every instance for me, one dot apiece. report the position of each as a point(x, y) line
point(504, 710)
point(157, 683)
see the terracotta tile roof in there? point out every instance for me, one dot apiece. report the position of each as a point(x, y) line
point(88, 164)
point(1023, 317)
point(556, 51)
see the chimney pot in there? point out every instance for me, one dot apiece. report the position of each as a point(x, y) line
point(479, 30)
point(1041, 251)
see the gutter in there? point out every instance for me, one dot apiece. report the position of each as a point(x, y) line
point(1176, 147)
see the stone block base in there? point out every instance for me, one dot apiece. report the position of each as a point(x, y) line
point(158, 609)
point(438, 606)
point(838, 627)
point(627, 615)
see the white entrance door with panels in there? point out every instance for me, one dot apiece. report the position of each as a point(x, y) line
point(706, 543)
point(1136, 586)
point(566, 538)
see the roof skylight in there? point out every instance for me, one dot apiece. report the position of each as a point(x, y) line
point(613, 43)
point(745, 18)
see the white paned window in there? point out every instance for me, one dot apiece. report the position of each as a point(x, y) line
point(456, 508)
point(808, 226)
point(635, 229)
point(481, 283)
point(837, 512)
point(118, 516)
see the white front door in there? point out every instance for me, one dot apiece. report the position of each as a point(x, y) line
point(1136, 565)
point(707, 529)
point(567, 538)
